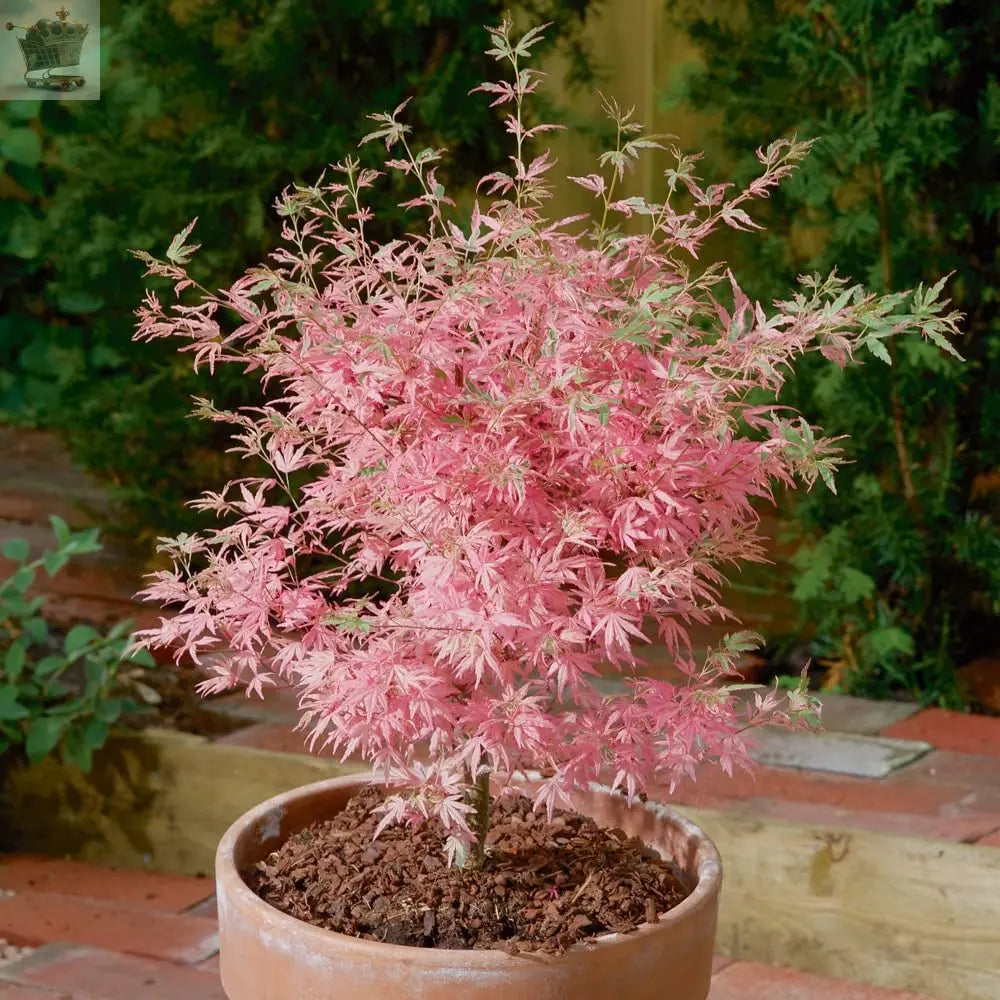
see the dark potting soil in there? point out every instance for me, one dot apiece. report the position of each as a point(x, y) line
point(543, 887)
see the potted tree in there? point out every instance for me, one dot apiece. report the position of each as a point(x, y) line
point(546, 438)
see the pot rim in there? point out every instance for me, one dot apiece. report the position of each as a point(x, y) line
point(235, 892)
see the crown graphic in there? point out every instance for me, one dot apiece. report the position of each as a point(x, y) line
point(48, 44)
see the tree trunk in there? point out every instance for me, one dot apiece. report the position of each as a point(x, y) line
point(479, 798)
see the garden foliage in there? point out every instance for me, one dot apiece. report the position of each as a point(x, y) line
point(545, 430)
point(60, 691)
point(898, 577)
point(207, 109)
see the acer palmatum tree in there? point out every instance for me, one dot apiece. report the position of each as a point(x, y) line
point(549, 433)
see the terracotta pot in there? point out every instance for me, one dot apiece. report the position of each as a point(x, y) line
point(267, 955)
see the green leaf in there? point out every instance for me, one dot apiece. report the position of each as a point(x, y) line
point(177, 252)
point(18, 584)
point(78, 638)
point(811, 582)
point(102, 356)
point(36, 629)
point(142, 657)
point(119, 629)
point(16, 549)
point(743, 641)
point(54, 561)
point(48, 666)
point(22, 111)
point(109, 710)
point(891, 640)
point(43, 735)
point(77, 301)
point(878, 349)
point(15, 658)
point(66, 710)
point(855, 585)
point(10, 708)
point(97, 672)
point(85, 541)
point(23, 232)
point(943, 342)
point(129, 706)
point(77, 751)
point(21, 144)
point(94, 732)
point(60, 528)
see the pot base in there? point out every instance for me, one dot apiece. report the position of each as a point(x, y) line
point(267, 955)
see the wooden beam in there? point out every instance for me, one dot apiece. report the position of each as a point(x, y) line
point(898, 912)
point(157, 799)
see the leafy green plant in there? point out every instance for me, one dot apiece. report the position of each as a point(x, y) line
point(897, 577)
point(60, 692)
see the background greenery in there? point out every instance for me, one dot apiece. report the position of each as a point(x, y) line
point(897, 578)
point(207, 110)
point(210, 109)
point(60, 691)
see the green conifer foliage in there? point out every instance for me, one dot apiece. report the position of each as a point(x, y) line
point(898, 576)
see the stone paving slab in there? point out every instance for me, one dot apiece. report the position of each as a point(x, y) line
point(836, 753)
point(843, 713)
point(274, 736)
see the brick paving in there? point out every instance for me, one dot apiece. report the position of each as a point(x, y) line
point(970, 734)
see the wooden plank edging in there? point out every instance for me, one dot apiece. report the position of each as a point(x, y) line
point(893, 911)
point(156, 799)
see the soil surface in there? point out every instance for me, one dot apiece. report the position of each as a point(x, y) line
point(543, 887)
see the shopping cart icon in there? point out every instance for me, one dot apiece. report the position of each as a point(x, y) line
point(51, 45)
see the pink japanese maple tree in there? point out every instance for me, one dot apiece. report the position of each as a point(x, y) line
point(553, 433)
